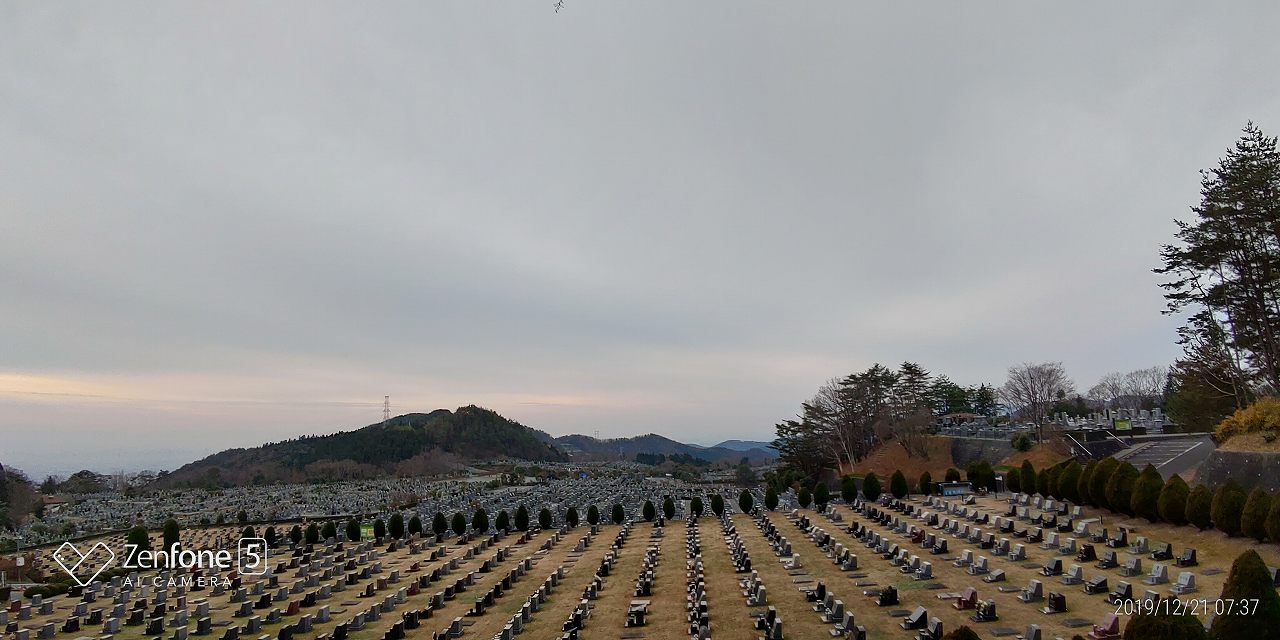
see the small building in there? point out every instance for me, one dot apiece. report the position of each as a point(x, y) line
point(954, 488)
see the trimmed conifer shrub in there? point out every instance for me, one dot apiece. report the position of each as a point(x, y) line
point(1199, 511)
point(1120, 488)
point(1145, 500)
point(1228, 505)
point(1172, 503)
point(898, 485)
point(871, 486)
point(1253, 520)
point(1248, 579)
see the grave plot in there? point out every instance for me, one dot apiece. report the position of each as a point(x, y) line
point(798, 620)
point(726, 606)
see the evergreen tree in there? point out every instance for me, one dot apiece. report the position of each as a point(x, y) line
point(871, 487)
point(295, 534)
point(648, 512)
point(379, 528)
point(353, 530)
point(1172, 504)
point(440, 524)
point(1248, 579)
point(926, 484)
point(1273, 519)
point(1044, 480)
point(717, 504)
point(503, 521)
point(1253, 520)
point(271, 537)
point(805, 498)
point(745, 501)
point(571, 517)
point(1164, 623)
point(459, 524)
point(1011, 480)
point(395, 526)
point(329, 531)
point(1145, 500)
point(172, 535)
point(962, 633)
point(250, 532)
point(415, 525)
point(1085, 481)
point(522, 518)
point(544, 518)
point(139, 538)
point(770, 499)
point(695, 507)
point(848, 489)
point(1067, 482)
point(618, 514)
point(593, 515)
point(821, 496)
point(1120, 488)
point(1228, 504)
point(1199, 509)
point(1098, 483)
point(668, 508)
point(953, 475)
point(242, 517)
point(313, 534)
point(898, 485)
point(1027, 478)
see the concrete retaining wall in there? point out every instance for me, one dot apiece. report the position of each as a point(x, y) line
point(1248, 469)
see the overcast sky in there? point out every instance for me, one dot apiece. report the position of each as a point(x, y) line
point(222, 223)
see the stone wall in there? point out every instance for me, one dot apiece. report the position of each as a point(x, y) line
point(967, 450)
point(1249, 469)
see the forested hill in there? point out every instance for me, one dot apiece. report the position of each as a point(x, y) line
point(410, 444)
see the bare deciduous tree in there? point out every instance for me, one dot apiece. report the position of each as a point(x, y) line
point(1032, 388)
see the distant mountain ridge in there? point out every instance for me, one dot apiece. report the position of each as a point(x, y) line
point(745, 445)
point(411, 444)
point(587, 447)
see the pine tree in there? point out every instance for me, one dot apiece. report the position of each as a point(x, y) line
point(1228, 504)
point(648, 512)
point(1011, 479)
point(1084, 481)
point(271, 537)
point(898, 485)
point(295, 534)
point(926, 483)
point(771, 499)
point(172, 535)
point(1248, 579)
point(871, 487)
point(329, 531)
point(1068, 482)
point(415, 525)
point(1120, 488)
point(379, 528)
point(717, 504)
point(821, 496)
point(571, 517)
point(849, 489)
point(1253, 520)
point(1145, 500)
point(440, 524)
point(1172, 504)
point(138, 537)
point(353, 530)
point(1273, 519)
point(804, 498)
point(313, 534)
point(618, 514)
point(593, 515)
point(544, 518)
point(248, 532)
point(396, 526)
point(745, 501)
point(695, 507)
point(1027, 478)
point(522, 518)
point(668, 508)
point(459, 524)
point(1199, 509)
point(1098, 483)
point(1043, 480)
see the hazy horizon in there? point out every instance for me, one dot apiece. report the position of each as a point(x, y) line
point(227, 225)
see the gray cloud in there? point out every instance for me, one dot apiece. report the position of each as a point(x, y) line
point(627, 217)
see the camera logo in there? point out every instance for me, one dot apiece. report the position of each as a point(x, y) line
point(72, 559)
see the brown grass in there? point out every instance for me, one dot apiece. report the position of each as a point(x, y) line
point(1041, 457)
